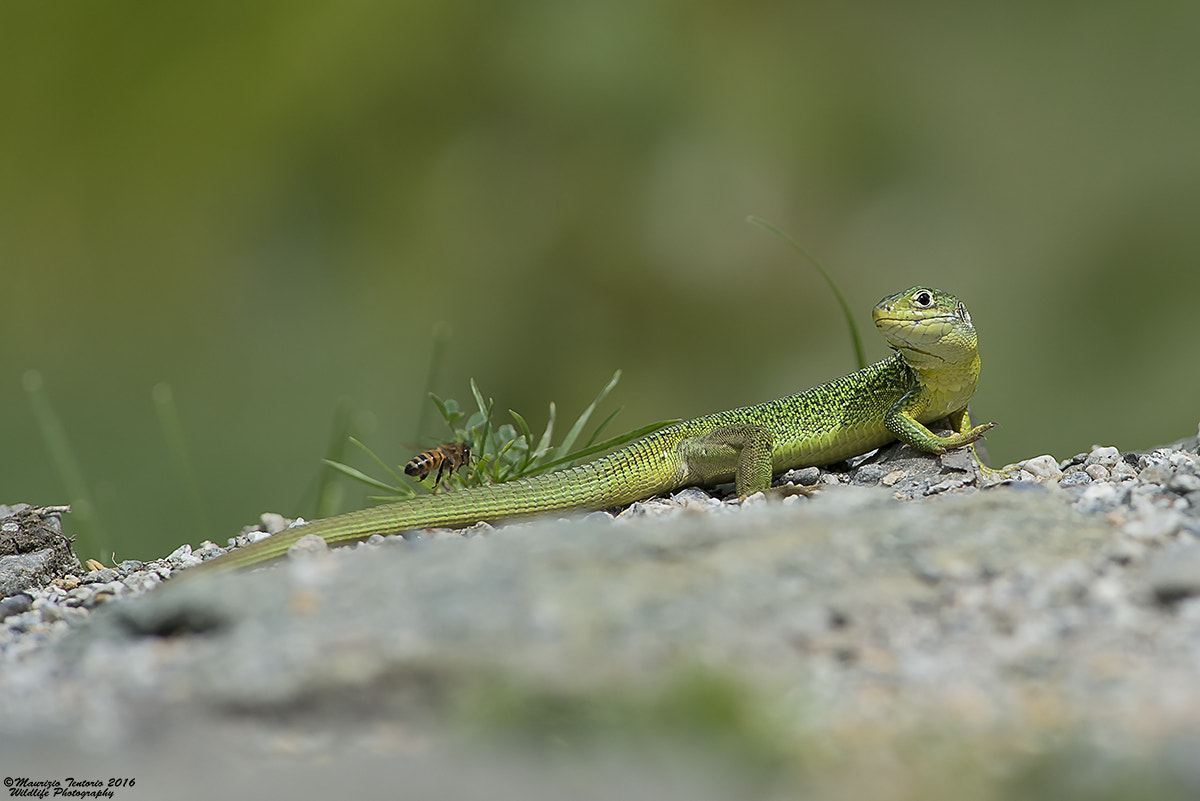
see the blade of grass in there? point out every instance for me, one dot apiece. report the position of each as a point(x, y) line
point(544, 445)
point(600, 447)
point(600, 428)
point(437, 357)
point(163, 399)
point(84, 514)
point(528, 456)
point(378, 461)
point(483, 428)
point(357, 475)
point(572, 435)
point(484, 408)
point(503, 469)
point(387, 498)
point(858, 347)
point(329, 493)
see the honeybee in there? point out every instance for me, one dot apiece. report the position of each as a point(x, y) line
point(444, 459)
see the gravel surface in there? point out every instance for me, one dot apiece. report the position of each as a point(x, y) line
point(910, 630)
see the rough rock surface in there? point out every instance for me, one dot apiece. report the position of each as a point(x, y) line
point(903, 633)
point(33, 550)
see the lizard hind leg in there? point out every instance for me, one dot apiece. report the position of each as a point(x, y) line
point(740, 451)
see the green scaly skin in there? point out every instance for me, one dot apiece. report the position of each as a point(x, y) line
point(932, 375)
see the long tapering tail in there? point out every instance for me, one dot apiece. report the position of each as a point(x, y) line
point(613, 480)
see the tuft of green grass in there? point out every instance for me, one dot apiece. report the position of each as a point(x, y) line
point(503, 452)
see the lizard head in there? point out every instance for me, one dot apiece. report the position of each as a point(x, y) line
point(931, 328)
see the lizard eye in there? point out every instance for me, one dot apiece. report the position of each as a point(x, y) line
point(923, 299)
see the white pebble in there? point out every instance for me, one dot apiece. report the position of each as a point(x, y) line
point(272, 522)
point(756, 499)
point(1156, 474)
point(1123, 469)
point(308, 545)
point(1106, 456)
point(1181, 458)
point(1042, 467)
point(1097, 498)
point(142, 581)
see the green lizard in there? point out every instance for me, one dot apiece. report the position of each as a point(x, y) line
point(932, 375)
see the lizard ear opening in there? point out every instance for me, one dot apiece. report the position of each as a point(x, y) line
point(962, 313)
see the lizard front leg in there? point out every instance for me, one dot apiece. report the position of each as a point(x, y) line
point(902, 421)
point(741, 450)
point(961, 421)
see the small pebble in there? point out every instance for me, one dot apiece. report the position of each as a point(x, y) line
point(101, 576)
point(1078, 458)
point(256, 536)
point(1042, 467)
point(1123, 469)
point(757, 499)
point(142, 581)
point(103, 592)
point(1075, 478)
point(805, 476)
point(1102, 456)
point(68, 582)
point(308, 545)
point(1156, 474)
point(1183, 483)
point(15, 605)
point(695, 498)
point(273, 523)
point(81, 595)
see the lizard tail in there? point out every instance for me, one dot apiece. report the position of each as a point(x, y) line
point(589, 486)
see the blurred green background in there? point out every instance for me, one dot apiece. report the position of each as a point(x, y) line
point(271, 206)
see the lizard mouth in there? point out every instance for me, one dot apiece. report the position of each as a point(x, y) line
point(880, 318)
point(930, 354)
